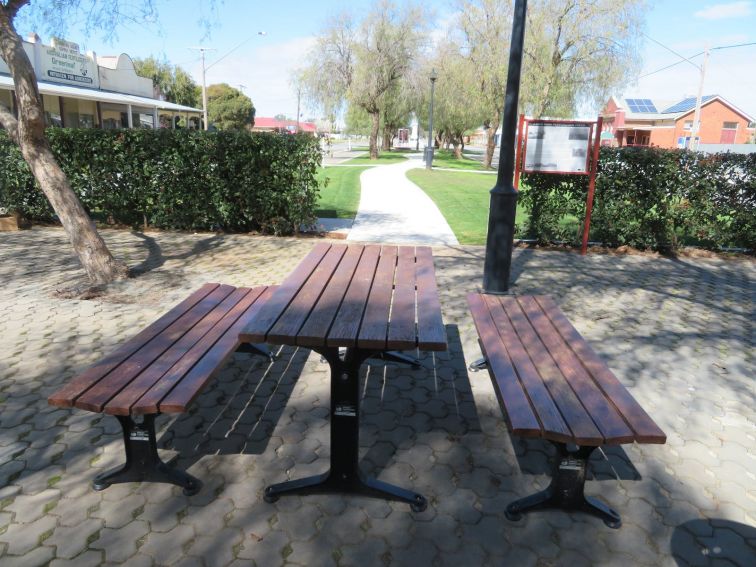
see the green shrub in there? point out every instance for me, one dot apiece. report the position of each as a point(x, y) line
point(176, 179)
point(650, 198)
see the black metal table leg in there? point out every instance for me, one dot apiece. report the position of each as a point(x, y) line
point(142, 461)
point(344, 474)
point(396, 356)
point(566, 490)
point(260, 349)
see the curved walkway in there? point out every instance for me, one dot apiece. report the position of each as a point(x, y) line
point(393, 209)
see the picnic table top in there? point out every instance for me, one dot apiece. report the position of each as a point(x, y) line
point(366, 296)
point(549, 381)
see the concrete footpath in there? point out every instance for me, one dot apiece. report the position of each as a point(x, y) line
point(395, 210)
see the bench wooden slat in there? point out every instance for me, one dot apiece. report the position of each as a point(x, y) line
point(315, 330)
point(578, 420)
point(67, 395)
point(185, 380)
point(645, 428)
point(543, 405)
point(347, 322)
point(258, 330)
point(518, 412)
point(111, 384)
point(121, 403)
point(286, 328)
point(402, 331)
point(431, 332)
point(605, 416)
point(374, 328)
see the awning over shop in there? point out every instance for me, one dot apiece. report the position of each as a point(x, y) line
point(102, 96)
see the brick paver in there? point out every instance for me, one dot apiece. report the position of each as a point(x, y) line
point(678, 333)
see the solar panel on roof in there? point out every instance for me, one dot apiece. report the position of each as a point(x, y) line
point(640, 105)
point(686, 104)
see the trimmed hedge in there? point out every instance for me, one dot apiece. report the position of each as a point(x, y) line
point(176, 179)
point(650, 198)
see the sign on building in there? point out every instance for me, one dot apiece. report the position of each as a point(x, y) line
point(63, 62)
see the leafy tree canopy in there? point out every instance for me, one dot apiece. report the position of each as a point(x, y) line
point(228, 108)
point(172, 81)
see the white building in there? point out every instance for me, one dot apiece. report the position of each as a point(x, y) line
point(85, 91)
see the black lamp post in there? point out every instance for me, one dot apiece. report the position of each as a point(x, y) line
point(429, 147)
point(501, 218)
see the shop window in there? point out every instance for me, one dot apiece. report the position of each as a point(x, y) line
point(688, 125)
point(51, 105)
point(79, 113)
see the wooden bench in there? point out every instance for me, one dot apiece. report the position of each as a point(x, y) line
point(162, 370)
point(551, 384)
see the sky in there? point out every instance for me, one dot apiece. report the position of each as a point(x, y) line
point(264, 64)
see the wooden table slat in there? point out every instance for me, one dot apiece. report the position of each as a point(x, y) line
point(121, 404)
point(520, 417)
point(188, 376)
point(605, 416)
point(578, 420)
point(346, 325)
point(645, 428)
point(374, 329)
point(288, 325)
point(546, 409)
point(402, 330)
point(67, 395)
point(258, 329)
point(431, 332)
point(109, 386)
point(315, 330)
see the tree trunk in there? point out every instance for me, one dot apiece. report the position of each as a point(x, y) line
point(29, 133)
point(457, 148)
point(491, 141)
point(374, 134)
point(386, 140)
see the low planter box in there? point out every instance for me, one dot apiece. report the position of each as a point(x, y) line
point(13, 221)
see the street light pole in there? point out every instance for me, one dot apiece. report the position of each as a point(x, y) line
point(429, 147)
point(204, 85)
point(696, 128)
point(501, 216)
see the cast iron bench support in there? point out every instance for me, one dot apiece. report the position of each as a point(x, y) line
point(344, 474)
point(142, 460)
point(566, 489)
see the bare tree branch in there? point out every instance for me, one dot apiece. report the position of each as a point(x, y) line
point(9, 122)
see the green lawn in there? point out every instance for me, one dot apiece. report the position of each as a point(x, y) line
point(446, 159)
point(463, 199)
point(384, 158)
point(340, 199)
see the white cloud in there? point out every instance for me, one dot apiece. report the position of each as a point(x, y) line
point(722, 11)
point(265, 72)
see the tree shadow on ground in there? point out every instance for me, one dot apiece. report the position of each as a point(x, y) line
point(714, 541)
point(155, 258)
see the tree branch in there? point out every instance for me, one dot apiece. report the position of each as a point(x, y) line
point(12, 7)
point(9, 122)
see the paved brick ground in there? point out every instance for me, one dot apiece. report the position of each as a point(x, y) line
point(678, 333)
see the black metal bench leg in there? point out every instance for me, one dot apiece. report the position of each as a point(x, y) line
point(566, 490)
point(142, 461)
point(478, 365)
point(396, 356)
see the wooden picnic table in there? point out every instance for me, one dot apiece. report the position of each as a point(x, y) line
point(369, 300)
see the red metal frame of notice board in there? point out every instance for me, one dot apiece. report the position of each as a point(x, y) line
point(591, 161)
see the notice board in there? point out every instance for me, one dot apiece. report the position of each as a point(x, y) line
point(557, 147)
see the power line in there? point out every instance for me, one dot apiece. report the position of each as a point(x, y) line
point(235, 48)
point(684, 59)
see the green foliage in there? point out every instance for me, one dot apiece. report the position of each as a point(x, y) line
point(650, 198)
point(176, 179)
point(173, 82)
point(229, 108)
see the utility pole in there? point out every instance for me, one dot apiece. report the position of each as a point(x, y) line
point(204, 85)
point(696, 128)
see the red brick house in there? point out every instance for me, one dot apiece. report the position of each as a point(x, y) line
point(667, 124)
point(263, 124)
